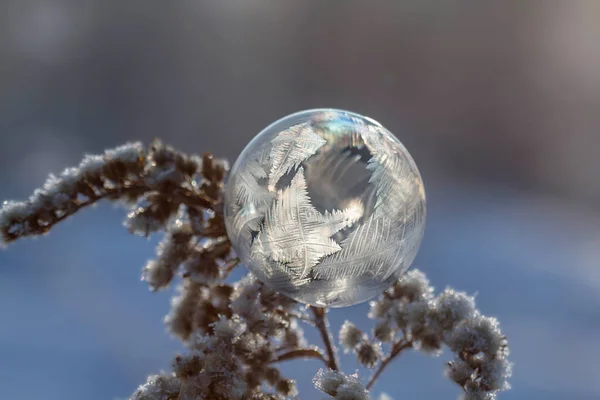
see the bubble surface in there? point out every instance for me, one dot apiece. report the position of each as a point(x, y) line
point(325, 206)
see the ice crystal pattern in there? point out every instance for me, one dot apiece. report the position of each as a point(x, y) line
point(326, 206)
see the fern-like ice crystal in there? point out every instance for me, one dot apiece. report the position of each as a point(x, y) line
point(295, 233)
point(290, 148)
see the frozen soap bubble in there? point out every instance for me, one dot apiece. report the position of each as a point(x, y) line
point(325, 206)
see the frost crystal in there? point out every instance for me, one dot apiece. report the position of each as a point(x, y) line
point(295, 233)
point(340, 386)
point(326, 206)
point(290, 148)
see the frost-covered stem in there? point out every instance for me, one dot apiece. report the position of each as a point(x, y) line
point(133, 190)
point(396, 349)
point(322, 325)
point(301, 353)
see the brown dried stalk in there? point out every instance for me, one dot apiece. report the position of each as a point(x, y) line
point(397, 348)
point(322, 324)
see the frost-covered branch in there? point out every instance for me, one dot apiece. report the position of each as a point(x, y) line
point(408, 315)
point(158, 180)
point(237, 333)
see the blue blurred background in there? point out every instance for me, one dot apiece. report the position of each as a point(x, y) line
point(498, 102)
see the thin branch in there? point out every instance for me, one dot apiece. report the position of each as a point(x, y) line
point(322, 325)
point(39, 229)
point(180, 195)
point(397, 348)
point(300, 317)
point(301, 353)
point(230, 266)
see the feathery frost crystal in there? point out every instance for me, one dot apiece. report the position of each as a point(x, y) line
point(326, 206)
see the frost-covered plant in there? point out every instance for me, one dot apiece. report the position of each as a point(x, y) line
point(238, 333)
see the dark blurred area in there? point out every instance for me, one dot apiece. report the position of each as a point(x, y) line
point(498, 102)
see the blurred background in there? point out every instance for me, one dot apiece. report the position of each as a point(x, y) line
point(498, 102)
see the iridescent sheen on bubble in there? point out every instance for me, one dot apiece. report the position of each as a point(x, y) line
point(325, 206)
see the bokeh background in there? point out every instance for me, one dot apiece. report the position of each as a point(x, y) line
point(498, 102)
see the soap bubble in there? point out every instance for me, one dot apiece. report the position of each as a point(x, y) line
point(325, 206)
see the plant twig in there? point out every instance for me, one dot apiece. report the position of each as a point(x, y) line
point(322, 325)
point(134, 189)
point(397, 348)
point(291, 314)
point(230, 266)
point(301, 353)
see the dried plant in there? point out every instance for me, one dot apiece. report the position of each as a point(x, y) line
point(237, 334)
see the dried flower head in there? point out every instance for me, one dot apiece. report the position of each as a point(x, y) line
point(368, 354)
point(340, 386)
point(350, 336)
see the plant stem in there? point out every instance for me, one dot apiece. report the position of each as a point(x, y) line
point(227, 269)
point(300, 353)
point(322, 325)
point(136, 189)
point(397, 348)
